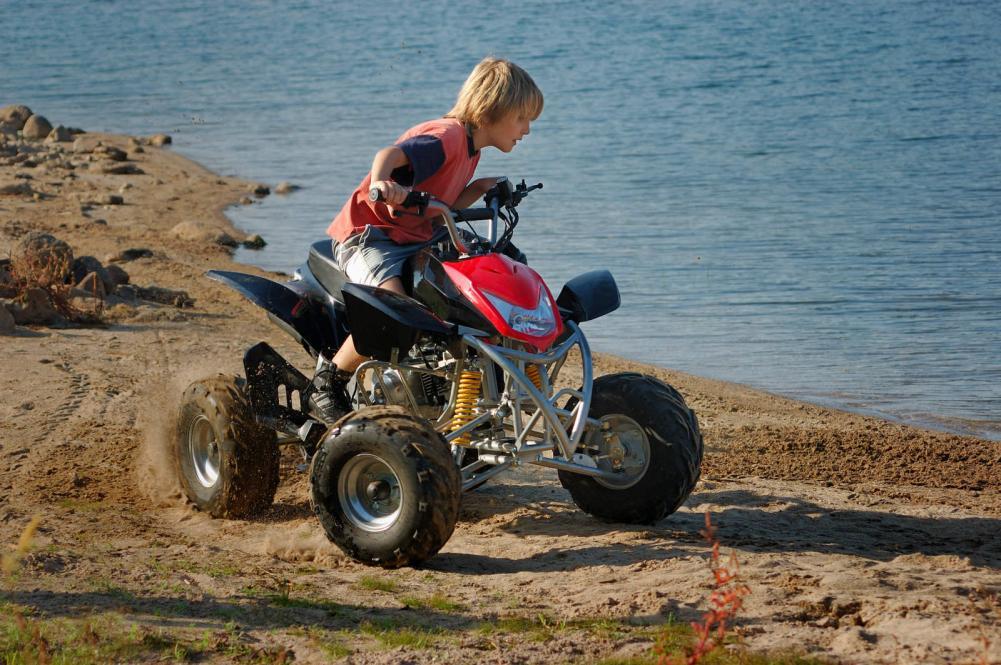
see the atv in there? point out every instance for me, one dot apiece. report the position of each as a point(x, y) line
point(461, 385)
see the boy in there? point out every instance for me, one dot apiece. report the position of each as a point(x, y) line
point(494, 108)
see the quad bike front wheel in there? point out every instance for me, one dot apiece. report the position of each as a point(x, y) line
point(385, 487)
point(649, 439)
point(227, 464)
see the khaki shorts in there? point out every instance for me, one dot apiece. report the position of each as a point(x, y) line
point(371, 258)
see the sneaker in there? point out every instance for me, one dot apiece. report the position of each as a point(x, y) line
point(328, 400)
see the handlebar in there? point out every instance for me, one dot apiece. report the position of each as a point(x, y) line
point(501, 195)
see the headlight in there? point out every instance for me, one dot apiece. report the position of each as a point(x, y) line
point(536, 322)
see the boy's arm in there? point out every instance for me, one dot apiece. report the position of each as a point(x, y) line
point(473, 191)
point(386, 160)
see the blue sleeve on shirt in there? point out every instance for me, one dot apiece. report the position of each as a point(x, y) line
point(426, 155)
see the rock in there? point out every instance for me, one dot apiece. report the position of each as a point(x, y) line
point(129, 255)
point(285, 187)
point(59, 135)
point(35, 307)
point(254, 242)
point(246, 201)
point(117, 275)
point(259, 190)
point(83, 265)
point(84, 144)
point(155, 294)
point(16, 189)
point(110, 200)
point(87, 303)
point(159, 140)
point(15, 115)
point(37, 127)
point(121, 169)
point(93, 285)
point(200, 232)
point(111, 152)
point(43, 257)
point(7, 324)
point(7, 129)
point(127, 186)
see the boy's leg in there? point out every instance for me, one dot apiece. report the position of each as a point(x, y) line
point(347, 357)
point(329, 397)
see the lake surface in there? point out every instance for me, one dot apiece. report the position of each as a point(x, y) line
point(803, 198)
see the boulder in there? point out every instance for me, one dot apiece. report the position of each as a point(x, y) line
point(111, 152)
point(16, 189)
point(84, 144)
point(259, 190)
point(121, 169)
point(201, 232)
point(285, 187)
point(157, 294)
point(7, 324)
point(15, 115)
point(159, 140)
point(117, 275)
point(130, 254)
point(59, 135)
point(254, 242)
point(82, 265)
point(93, 285)
point(34, 307)
point(37, 127)
point(7, 129)
point(44, 258)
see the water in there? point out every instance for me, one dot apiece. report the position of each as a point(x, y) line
point(803, 198)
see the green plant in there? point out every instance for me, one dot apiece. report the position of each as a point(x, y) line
point(372, 583)
point(438, 601)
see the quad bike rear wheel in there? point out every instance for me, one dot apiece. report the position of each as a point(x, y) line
point(385, 487)
point(650, 439)
point(227, 463)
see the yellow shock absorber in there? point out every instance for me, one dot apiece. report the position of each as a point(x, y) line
point(465, 402)
point(532, 372)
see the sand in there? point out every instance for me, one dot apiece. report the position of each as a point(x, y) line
point(861, 540)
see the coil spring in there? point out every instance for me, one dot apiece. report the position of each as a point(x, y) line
point(532, 372)
point(430, 388)
point(465, 402)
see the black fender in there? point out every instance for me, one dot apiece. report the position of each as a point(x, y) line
point(588, 296)
point(313, 322)
point(382, 320)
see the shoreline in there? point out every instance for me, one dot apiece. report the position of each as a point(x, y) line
point(861, 538)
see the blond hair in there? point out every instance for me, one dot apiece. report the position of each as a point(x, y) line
point(495, 88)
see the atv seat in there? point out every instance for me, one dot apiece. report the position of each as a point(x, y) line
point(321, 263)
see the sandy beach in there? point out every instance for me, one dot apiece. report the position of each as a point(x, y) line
point(861, 540)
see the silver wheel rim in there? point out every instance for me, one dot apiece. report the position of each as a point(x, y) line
point(624, 450)
point(370, 493)
point(203, 448)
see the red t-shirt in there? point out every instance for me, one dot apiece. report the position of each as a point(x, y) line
point(442, 161)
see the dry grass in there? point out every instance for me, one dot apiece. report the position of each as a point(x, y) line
point(49, 270)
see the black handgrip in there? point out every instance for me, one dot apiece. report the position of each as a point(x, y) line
point(474, 214)
point(413, 199)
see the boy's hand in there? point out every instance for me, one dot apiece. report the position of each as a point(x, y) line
point(393, 192)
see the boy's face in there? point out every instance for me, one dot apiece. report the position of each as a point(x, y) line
point(507, 131)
